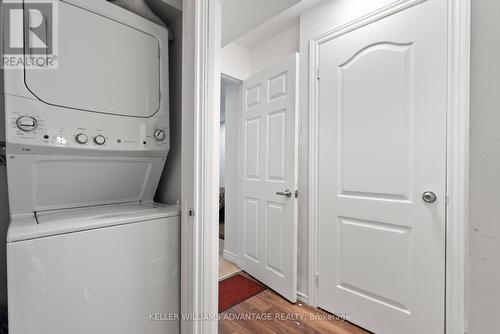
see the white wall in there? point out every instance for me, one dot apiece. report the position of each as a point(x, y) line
point(274, 49)
point(222, 153)
point(240, 63)
point(241, 16)
point(222, 134)
point(235, 61)
point(323, 17)
point(484, 266)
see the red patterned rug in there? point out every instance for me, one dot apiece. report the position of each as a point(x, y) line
point(235, 290)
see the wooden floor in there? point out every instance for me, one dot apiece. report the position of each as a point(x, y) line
point(267, 312)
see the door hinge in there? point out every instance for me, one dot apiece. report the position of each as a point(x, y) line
point(296, 193)
point(159, 53)
point(317, 73)
point(317, 279)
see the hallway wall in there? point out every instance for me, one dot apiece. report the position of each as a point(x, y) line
point(240, 63)
point(484, 234)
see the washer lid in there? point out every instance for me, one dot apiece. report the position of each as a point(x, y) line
point(74, 220)
point(106, 213)
point(104, 66)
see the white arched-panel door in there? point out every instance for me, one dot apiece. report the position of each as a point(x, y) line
point(382, 105)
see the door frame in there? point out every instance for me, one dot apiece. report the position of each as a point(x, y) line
point(201, 28)
point(457, 155)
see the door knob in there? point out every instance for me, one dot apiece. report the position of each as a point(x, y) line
point(286, 193)
point(429, 197)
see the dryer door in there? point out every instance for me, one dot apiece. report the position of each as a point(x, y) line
point(104, 66)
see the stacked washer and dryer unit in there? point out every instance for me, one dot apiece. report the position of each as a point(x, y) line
point(88, 249)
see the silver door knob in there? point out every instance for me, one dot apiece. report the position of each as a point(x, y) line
point(429, 197)
point(286, 193)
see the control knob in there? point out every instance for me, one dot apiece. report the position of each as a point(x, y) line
point(81, 138)
point(99, 140)
point(26, 123)
point(159, 135)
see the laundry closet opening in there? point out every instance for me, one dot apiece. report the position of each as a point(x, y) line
point(94, 167)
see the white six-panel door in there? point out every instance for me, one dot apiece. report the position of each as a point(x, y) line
point(382, 144)
point(269, 166)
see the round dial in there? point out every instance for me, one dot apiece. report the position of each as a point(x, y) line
point(99, 140)
point(159, 135)
point(81, 138)
point(26, 123)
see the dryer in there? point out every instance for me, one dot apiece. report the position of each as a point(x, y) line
point(86, 144)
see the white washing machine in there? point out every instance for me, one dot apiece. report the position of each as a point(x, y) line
point(88, 249)
point(108, 269)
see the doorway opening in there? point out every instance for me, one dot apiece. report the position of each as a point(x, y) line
point(228, 176)
point(258, 182)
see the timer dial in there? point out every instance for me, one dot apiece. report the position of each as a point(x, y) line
point(26, 123)
point(159, 135)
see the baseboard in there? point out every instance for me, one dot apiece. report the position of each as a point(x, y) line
point(230, 256)
point(302, 298)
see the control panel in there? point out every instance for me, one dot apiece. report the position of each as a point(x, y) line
point(131, 135)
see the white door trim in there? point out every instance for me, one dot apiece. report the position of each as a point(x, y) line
point(200, 166)
point(457, 151)
point(457, 211)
